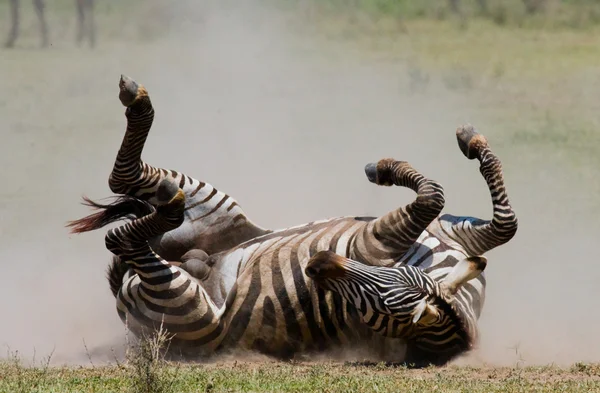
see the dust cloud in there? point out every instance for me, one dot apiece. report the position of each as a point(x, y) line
point(284, 122)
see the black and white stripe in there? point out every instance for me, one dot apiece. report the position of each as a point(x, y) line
point(406, 302)
point(213, 220)
point(250, 289)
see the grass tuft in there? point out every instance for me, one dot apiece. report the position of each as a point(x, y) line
point(149, 370)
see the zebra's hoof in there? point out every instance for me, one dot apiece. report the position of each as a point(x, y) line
point(166, 191)
point(381, 173)
point(371, 172)
point(470, 141)
point(128, 90)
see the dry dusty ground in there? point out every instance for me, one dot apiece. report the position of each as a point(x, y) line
point(285, 122)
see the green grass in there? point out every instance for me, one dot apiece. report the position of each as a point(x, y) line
point(533, 85)
point(554, 14)
point(308, 377)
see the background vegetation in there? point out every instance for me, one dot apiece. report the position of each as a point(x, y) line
point(532, 66)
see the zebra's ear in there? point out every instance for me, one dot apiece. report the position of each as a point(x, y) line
point(464, 271)
point(424, 312)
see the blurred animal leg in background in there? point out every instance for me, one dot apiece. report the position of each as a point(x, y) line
point(39, 6)
point(85, 22)
point(14, 23)
point(15, 17)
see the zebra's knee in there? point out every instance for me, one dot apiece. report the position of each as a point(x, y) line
point(506, 226)
point(431, 196)
point(112, 243)
point(116, 185)
point(115, 243)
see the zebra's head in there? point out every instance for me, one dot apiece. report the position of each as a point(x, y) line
point(405, 302)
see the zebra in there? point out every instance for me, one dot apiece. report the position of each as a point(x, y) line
point(85, 22)
point(404, 301)
point(217, 281)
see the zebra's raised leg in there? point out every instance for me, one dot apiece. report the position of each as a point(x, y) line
point(213, 220)
point(475, 235)
point(160, 293)
point(385, 240)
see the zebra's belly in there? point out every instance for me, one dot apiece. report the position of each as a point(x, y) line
point(276, 309)
point(283, 325)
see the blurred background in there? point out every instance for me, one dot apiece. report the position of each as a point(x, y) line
point(281, 103)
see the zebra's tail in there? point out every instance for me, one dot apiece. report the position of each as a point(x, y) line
point(115, 273)
point(124, 207)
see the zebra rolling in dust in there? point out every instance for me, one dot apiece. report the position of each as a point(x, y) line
point(190, 259)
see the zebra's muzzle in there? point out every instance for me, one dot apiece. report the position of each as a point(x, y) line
point(324, 265)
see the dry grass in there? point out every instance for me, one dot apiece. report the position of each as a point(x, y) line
point(299, 377)
point(147, 371)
